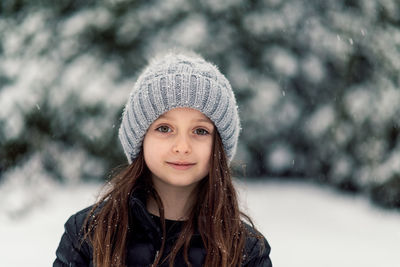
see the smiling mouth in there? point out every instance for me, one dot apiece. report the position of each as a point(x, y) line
point(181, 165)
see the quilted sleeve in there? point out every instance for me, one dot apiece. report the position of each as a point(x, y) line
point(259, 255)
point(72, 252)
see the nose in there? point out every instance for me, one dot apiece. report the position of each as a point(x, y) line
point(182, 145)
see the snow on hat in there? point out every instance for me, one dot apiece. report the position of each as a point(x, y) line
point(179, 80)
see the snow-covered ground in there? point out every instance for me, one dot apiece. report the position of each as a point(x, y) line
point(311, 226)
point(306, 225)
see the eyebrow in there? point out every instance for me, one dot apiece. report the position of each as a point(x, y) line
point(204, 120)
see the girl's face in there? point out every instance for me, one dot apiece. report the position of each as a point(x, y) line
point(177, 148)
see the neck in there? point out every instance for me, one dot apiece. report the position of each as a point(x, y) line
point(177, 202)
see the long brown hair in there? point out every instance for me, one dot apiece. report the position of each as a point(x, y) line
point(215, 214)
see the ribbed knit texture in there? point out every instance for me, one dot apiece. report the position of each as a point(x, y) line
point(178, 80)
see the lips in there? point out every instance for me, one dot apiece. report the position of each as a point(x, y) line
point(181, 165)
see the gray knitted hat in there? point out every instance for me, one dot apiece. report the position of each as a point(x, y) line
point(179, 80)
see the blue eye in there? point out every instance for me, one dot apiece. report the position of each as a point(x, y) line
point(201, 131)
point(163, 129)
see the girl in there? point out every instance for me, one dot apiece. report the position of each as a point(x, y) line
point(174, 204)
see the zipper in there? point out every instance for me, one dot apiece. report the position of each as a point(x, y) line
point(155, 257)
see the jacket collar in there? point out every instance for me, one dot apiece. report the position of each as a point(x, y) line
point(140, 217)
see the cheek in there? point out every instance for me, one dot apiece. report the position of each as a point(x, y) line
point(207, 151)
point(148, 151)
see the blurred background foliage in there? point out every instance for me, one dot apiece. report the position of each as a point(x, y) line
point(317, 84)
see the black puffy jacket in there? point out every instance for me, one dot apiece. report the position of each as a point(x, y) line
point(145, 241)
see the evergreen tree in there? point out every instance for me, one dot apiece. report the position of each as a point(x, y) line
point(317, 83)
